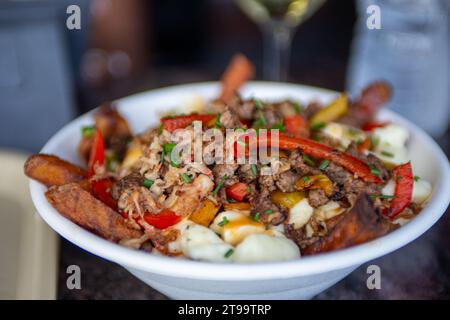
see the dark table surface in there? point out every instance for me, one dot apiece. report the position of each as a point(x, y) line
point(420, 270)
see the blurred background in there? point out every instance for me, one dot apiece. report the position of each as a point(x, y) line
point(49, 74)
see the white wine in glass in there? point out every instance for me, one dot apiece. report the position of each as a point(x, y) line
point(278, 19)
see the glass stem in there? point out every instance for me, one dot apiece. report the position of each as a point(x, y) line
point(277, 47)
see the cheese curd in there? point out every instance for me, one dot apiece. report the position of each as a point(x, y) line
point(421, 190)
point(329, 210)
point(233, 226)
point(391, 135)
point(391, 144)
point(300, 214)
point(200, 243)
point(393, 156)
point(264, 248)
point(343, 133)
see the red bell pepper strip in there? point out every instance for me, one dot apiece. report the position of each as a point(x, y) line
point(173, 123)
point(404, 184)
point(163, 219)
point(102, 190)
point(322, 151)
point(237, 191)
point(369, 126)
point(296, 125)
point(97, 154)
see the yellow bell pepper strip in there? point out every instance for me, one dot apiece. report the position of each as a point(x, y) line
point(333, 111)
point(287, 199)
point(237, 206)
point(318, 181)
point(205, 215)
point(134, 152)
point(322, 151)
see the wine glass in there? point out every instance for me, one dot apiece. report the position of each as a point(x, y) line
point(278, 20)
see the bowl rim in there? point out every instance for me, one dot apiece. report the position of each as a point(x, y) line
point(183, 268)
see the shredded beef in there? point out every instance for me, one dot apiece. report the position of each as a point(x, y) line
point(221, 170)
point(266, 183)
point(312, 109)
point(296, 161)
point(272, 117)
point(286, 181)
point(350, 185)
point(317, 198)
point(268, 212)
point(245, 110)
point(134, 179)
point(246, 173)
point(286, 109)
point(299, 236)
point(230, 120)
point(370, 159)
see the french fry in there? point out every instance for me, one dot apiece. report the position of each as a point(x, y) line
point(84, 209)
point(239, 71)
point(52, 171)
point(361, 224)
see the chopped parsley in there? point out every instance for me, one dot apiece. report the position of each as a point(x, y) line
point(260, 121)
point(381, 196)
point(387, 154)
point(167, 149)
point(258, 103)
point(229, 253)
point(416, 178)
point(374, 141)
point(254, 169)
point(374, 170)
point(257, 216)
point(148, 183)
point(308, 160)
point(318, 126)
point(162, 156)
point(297, 107)
point(186, 178)
point(268, 211)
point(352, 132)
point(306, 178)
point(280, 126)
point(324, 164)
point(219, 185)
point(242, 143)
point(217, 123)
point(87, 131)
point(224, 222)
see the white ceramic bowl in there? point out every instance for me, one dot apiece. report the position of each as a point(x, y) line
point(302, 278)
